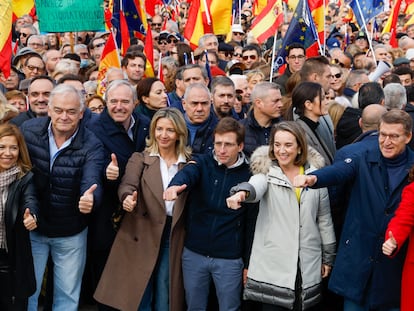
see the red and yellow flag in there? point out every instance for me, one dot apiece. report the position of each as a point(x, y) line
point(149, 54)
point(266, 23)
point(22, 7)
point(5, 36)
point(391, 24)
point(109, 58)
point(207, 16)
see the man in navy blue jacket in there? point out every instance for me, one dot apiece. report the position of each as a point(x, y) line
point(68, 163)
point(367, 279)
point(217, 238)
point(122, 132)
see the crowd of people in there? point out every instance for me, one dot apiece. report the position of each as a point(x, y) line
point(219, 187)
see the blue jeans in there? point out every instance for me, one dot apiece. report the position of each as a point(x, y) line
point(69, 256)
point(198, 270)
point(349, 305)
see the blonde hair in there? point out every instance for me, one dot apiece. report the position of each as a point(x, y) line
point(177, 119)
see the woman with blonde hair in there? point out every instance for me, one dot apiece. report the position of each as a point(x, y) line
point(143, 271)
point(18, 207)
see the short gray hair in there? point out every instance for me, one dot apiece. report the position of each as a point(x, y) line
point(261, 90)
point(199, 86)
point(62, 89)
point(117, 83)
point(395, 96)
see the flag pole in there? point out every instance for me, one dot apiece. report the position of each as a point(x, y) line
point(367, 33)
point(272, 68)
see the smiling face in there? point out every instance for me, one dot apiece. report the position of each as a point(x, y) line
point(285, 149)
point(165, 134)
point(120, 103)
point(392, 139)
point(9, 152)
point(65, 113)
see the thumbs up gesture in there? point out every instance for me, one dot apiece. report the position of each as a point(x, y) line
point(130, 202)
point(389, 245)
point(86, 200)
point(28, 220)
point(112, 170)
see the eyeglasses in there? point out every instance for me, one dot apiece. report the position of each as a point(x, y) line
point(228, 54)
point(172, 41)
point(33, 68)
point(337, 62)
point(252, 57)
point(337, 75)
point(238, 34)
point(156, 24)
point(163, 42)
point(296, 57)
point(99, 108)
point(237, 54)
point(24, 35)
point(391, 137)
point(99, 45)
point(35, 44)
point(239, 97)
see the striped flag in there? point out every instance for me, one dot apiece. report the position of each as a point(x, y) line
point(149, 54)
point(266, 23)
point(109, 58)
point(391, 24)
point(5, 36)
point(21, 7)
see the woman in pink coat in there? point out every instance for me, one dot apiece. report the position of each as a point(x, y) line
point(399, 229)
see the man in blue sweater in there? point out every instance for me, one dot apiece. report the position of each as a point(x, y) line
point(363, 275)
point(217, 240)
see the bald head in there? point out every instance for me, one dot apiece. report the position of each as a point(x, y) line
point(371, 116)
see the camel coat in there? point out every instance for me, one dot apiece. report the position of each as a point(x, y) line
point(135, 250)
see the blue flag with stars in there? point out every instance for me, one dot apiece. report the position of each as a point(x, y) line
point(301, 30)
point(135, 25)
point(367, 10)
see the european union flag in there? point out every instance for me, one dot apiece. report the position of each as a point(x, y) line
point(133, 18)
point(301, 30)
point(366, 10)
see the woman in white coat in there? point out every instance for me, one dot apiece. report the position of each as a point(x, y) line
point(294, 242)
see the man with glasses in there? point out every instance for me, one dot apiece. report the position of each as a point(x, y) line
point(251, 54)
point(363, 275)
point(34, 66)
point(36, 43)
point(295, 59)
point(38, 97)
point(26, 30)
point(96, 47)
point(237, 34)
point(156, 23)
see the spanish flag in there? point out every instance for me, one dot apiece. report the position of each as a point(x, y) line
point(266, 23)
point(22, 7)
point(149, 54)
point(207, 16)
point(391, 24)
point(109, 58)
point(5, 36)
